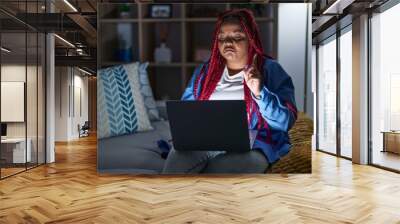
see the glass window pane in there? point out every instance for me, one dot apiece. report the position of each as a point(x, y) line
point(385, 80)
point(13, 86)
point(22, 88)
point(41, 99)
point(346, 94)
point(31, 97)
point(327, 96)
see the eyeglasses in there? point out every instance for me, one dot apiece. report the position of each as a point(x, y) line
point(235, 39)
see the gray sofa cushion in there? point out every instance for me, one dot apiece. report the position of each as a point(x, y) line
point(134, 153)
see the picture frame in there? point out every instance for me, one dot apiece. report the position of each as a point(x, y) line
point(160, 11)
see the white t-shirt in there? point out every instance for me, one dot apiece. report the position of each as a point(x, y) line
point(229, 87)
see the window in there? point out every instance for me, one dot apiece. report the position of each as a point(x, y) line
point(385, 89)
point(334, 137)
point(327, 96)
point(22, 78)
point(346, 93)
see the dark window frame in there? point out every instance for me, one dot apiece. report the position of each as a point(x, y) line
point(333, 37)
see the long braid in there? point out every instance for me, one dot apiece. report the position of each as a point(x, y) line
point(215, 58)
point(257, 48)
point(217, 63)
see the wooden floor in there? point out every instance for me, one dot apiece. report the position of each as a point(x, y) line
point(70, 191)
point(387, 159)
point(5, 172)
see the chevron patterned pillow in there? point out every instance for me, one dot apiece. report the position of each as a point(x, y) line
point(120, 104)
point(147, 93)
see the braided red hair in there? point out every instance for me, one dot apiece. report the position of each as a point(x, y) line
point(216, 63)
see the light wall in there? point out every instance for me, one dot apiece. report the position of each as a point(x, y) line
point(71, 87)
point(294, 50)
point(33, 127)
point(16, 73)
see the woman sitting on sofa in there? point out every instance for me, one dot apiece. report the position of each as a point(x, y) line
point(238, 69)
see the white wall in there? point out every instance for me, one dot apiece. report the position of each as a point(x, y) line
point(33, 126)
point(13, 101)
point(70, 81)
point(294, 49)
point(17, 73)
point(9, 73)
point(62, 81)
point(80, 83)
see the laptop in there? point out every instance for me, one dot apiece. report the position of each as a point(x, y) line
point(213, 125)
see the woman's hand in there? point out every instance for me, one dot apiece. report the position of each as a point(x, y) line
point(253, 78)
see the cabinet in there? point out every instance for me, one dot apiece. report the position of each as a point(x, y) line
point(189, 30)
point(13, 150)
point(391, 142)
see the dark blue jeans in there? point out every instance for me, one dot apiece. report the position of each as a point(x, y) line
point(186, 162)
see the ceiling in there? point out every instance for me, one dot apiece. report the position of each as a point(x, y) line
point(76, 22)
point(330, 15)
point(40, 6)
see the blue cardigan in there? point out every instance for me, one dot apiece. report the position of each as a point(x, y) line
point(276, 104)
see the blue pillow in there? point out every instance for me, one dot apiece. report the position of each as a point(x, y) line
point(120, 104)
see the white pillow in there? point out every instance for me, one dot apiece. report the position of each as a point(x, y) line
point(147, 93)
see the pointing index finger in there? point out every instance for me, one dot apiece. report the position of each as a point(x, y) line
point(255, 60)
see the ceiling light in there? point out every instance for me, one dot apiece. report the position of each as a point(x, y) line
point(84, 71)
point(5, 50)
point(338, 6)
point(80, 51)
point(65, 41)
point(70, 5)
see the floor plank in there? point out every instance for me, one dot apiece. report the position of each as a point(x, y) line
point(71, 191)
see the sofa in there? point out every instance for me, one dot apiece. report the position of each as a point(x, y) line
point(135, 153)
point(139, 153)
